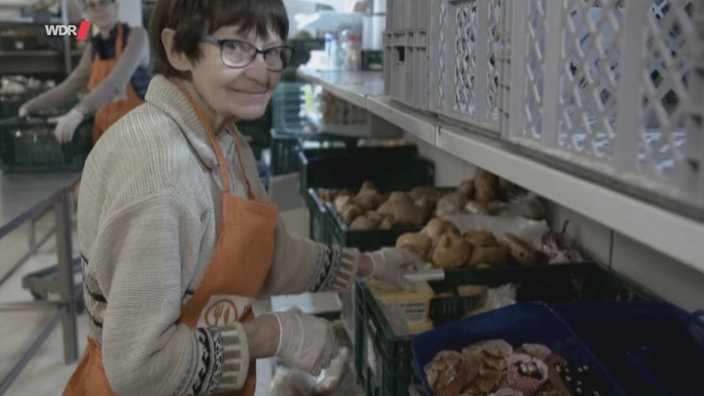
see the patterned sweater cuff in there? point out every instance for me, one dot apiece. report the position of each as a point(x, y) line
point(235, 358)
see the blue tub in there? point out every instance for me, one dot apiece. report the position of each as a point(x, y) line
point(648, 348)
point(517, 324)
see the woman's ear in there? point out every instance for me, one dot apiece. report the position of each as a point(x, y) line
point(176, 58)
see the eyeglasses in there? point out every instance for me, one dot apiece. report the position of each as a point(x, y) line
point(238, 54)
point(94, 5)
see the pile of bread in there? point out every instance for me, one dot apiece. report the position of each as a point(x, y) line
point(369, 209)
point(485, 194)
point(444, 246)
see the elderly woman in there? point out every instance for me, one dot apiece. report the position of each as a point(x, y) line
point(176, 232)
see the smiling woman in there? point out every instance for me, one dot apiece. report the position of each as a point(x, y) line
point(176, 232)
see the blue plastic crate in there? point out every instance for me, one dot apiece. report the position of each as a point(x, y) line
point(649, 348)
point(517, 324)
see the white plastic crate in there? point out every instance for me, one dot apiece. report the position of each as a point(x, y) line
point(467, 44)
point(406, 47)
point(613, 85)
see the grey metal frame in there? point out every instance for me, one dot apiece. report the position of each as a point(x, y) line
point(56, 195)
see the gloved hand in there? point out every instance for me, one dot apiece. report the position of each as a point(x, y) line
point(390, 265)
point(305, 341)
point(23, 111)
point(66, 125)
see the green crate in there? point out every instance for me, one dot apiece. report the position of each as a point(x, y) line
point(382, 359)
point(393, 373)
point(10, 105)
point(317, 214)
point(365, 240)
point(390, 168)
point(29, 145)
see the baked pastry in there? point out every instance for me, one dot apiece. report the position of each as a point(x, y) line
point(445, 374)
point(526, 373)
point(451, 251)
point(481, 238)
point(417, 243)
point(538, 351)
point(438, 227)
point(520, 250)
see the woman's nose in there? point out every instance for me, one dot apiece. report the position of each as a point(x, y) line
point(258, 70)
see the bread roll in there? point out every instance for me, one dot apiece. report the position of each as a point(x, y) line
point(437, 228)
point(451, 251)
point(417, 243)
point(496, 256)
point(520, 250)
point(481, 238)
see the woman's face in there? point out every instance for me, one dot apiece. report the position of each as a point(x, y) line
point(101, 13)
point(239, 93)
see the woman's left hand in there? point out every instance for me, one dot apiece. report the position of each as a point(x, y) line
point(391, 264)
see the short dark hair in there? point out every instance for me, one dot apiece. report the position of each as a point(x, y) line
point(193, 18)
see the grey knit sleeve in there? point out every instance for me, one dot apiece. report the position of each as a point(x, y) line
point(67, 89)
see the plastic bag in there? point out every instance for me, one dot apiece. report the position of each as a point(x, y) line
point(528, 230)
point(338, 379)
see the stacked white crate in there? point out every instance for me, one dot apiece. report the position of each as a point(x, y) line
point(406, 46)
point(469, 48)
point(613, 86)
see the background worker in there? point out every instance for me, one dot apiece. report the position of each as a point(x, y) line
point(115, 67)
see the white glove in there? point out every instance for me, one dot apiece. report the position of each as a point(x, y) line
point(305, 341)
point(22, 111)
point(391, 264)
point(66, 125)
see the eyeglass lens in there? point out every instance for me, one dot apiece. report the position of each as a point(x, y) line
point(237, 53)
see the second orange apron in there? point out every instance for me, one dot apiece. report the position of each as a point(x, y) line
point(108, 114)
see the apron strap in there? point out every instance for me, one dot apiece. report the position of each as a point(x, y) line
point(222, 164)
point(119, 42)
point(238, 145)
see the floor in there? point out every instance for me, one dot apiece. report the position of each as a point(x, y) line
point(46, 373)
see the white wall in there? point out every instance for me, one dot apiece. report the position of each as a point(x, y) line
point(131, 12)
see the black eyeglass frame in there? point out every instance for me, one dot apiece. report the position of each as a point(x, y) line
point(221, 43)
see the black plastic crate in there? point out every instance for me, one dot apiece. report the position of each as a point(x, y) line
point(317, 217)
point(350, 167)
point(393, 371)
point(365, 240)
point(548, 283)
point(29, 145)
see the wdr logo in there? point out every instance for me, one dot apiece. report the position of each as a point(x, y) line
point(69, 30)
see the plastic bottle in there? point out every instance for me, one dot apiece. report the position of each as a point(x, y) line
point(354, 52)
point(332, 50)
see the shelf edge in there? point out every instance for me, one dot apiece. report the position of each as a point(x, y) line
point(673, 235)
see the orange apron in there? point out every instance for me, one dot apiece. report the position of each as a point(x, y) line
point(111, 112)
point(235, 275)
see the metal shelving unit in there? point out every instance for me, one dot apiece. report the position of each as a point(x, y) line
point(47, 61)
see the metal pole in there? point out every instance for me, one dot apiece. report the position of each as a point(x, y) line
point(62, 212)
point(66, 39)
